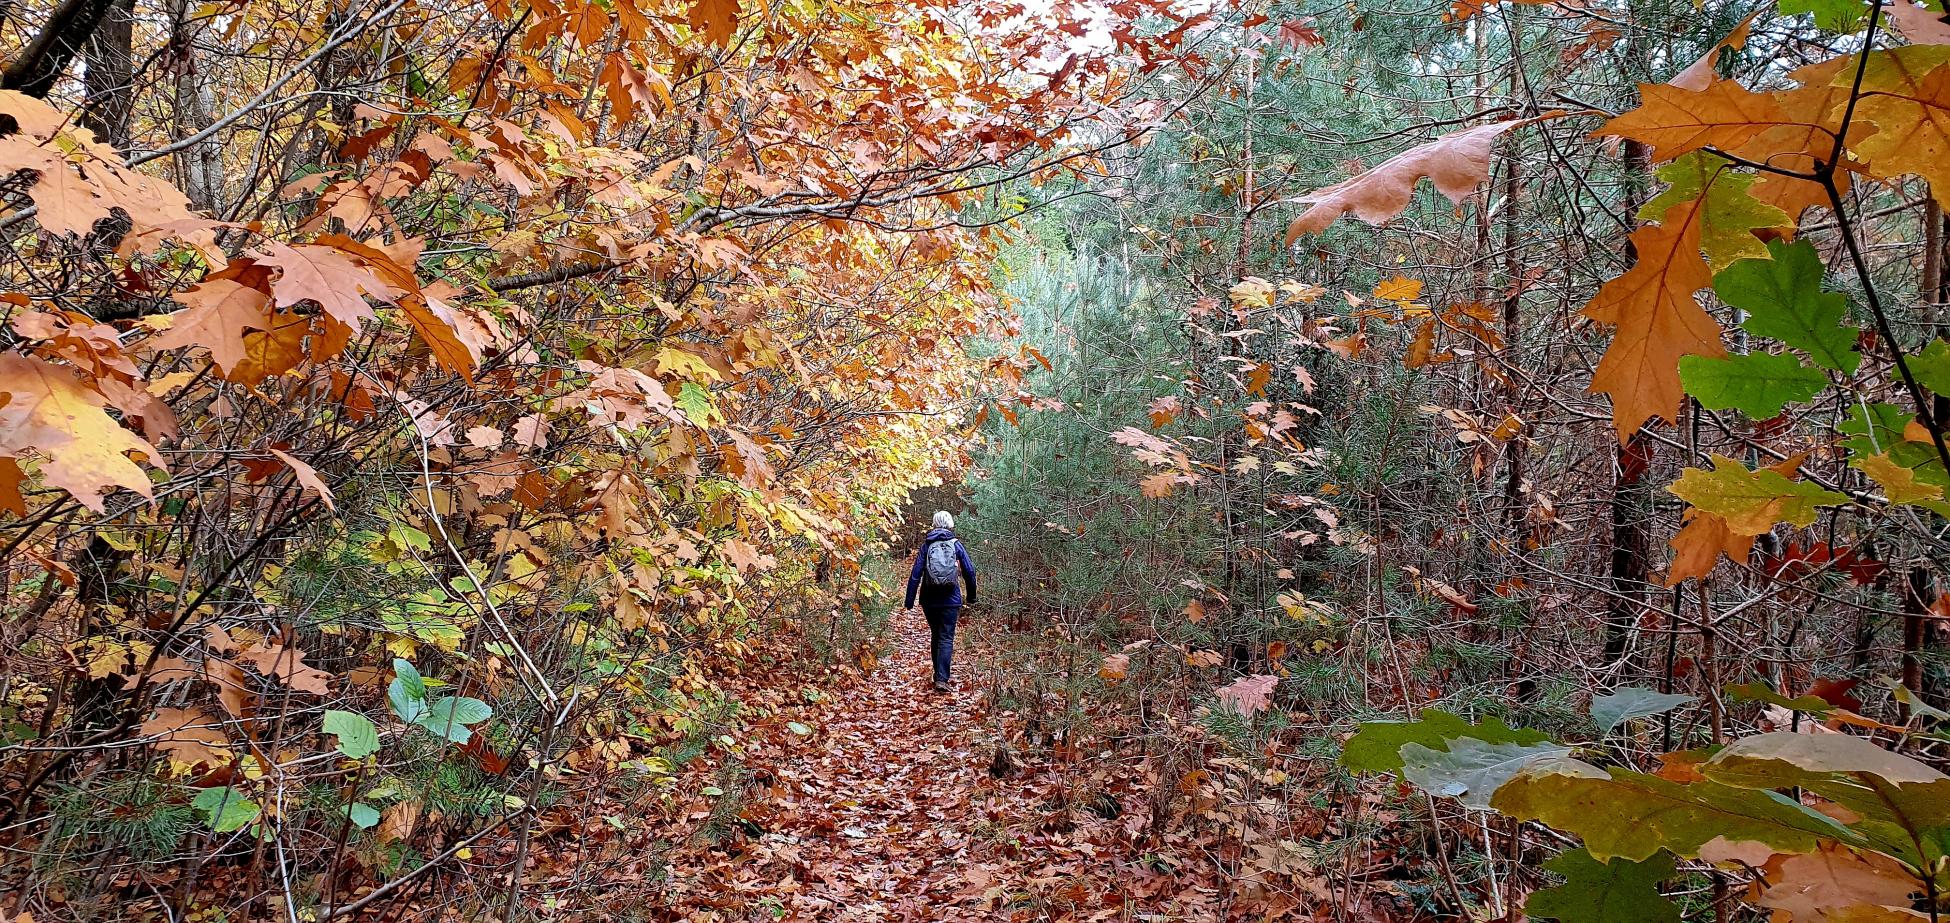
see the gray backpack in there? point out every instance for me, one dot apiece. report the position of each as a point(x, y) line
point(943, 569)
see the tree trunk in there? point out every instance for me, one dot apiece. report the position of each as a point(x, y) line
point(109, 78)
point(1631, 499)
point(201, 165)
point(41, 63)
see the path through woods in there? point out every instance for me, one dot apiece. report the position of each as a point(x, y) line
point(894, 813)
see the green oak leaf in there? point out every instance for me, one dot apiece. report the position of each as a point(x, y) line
point(695, 401)
point(1833, 15)
point(1731, 213)
point(1626, 814)
point(1471, 769)
point(1761, 692)
point(1782, 299)
point(1628, 702)
point(1898, 802)
point(357, 737)
point(1377, 745)
point(1756, 384)
point(1618, 891)
point(1752, 502)
point(1931, 367)
point(1879, 429)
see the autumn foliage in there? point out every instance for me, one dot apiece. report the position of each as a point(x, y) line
point(451, 453)
point(410, 407)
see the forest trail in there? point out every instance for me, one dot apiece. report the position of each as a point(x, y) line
point(872, 821)
point(892, 814)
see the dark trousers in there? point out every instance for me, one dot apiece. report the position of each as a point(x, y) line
point(941, 638)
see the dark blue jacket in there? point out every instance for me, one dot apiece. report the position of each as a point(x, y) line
point(937, 597)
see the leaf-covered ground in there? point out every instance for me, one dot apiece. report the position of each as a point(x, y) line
point(895, 809)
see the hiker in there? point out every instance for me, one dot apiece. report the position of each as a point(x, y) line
point(939, 569)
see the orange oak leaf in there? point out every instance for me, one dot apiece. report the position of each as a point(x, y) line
point(234, 687)
point(1700, 542)
point(79, 180)
point(189, 736)
point(1421, 346)
point(1657, 321)
point(1461, 11)
point(1249, 695)
point(321, 273)
point(1836, 882)
point(219, 314)
point(287, 665)
point(84, 451)
point(1815, 108)
point(36, 118)
point(64, 202)
point(743, 555)
point(1674, 120)
point(1160, 484)
point(454, 338)
point(587, 22)
point(10, 478)
point(272, 351)
point(717, 19)
point(151, 203)
point(615, 83)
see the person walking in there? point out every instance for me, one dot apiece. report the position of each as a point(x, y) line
point(939, 568)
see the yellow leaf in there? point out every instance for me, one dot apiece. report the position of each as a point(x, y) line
point(1400, 288)
point(85, 452)
point(1900, 485)
point(684, 364)
point(1251, 292)
point(1752, 502)
point(1906, 93)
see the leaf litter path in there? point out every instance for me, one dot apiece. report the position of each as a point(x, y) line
point(891, 813)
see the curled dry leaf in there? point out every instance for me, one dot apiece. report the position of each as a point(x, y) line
point(307, 477)
point(1457, 163)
